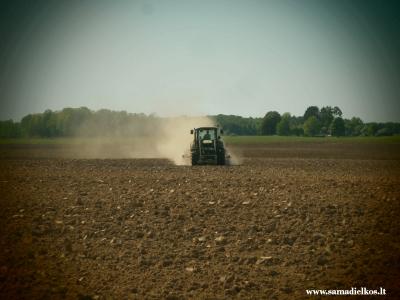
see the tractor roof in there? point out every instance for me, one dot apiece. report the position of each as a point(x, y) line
point(207, 127)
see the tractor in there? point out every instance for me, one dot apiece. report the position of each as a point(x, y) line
point(207, 147)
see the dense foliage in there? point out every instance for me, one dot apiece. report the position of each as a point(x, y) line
point(269, 123)
point(236, 125)
point(337, 127)
point(283, 127)
point(312, 126)
point(85, 122)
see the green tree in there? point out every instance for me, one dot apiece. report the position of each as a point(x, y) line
point(296, 125)
point(312, 126)
point(283, 127)
point(337, 127)
point(237, 125)
point(337, 112)
point(268, 125)
point(384, 132)
point(71, 120)
point(353, 126)
point(326, 117)
point(311, 111)
point(369, 129)
point(9, 129)
point(32, 125)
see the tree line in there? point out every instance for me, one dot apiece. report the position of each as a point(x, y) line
point(82, 121)
point(325, 121)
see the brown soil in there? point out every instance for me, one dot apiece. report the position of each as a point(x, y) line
point(291, 217)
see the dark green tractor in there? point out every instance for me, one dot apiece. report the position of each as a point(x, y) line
point(207, 147)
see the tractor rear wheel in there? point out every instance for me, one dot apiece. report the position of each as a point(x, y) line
point(221, 159)
point(195, 159)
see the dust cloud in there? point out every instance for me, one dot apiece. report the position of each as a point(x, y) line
point(175, 138)
point(167, 138)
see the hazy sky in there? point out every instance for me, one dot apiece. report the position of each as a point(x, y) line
point(201, 57)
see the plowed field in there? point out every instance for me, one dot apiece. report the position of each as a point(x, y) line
point(291, 217)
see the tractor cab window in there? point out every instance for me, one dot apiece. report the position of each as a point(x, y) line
point(207, 134)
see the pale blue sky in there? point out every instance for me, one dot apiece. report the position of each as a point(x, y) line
point(202, 57)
